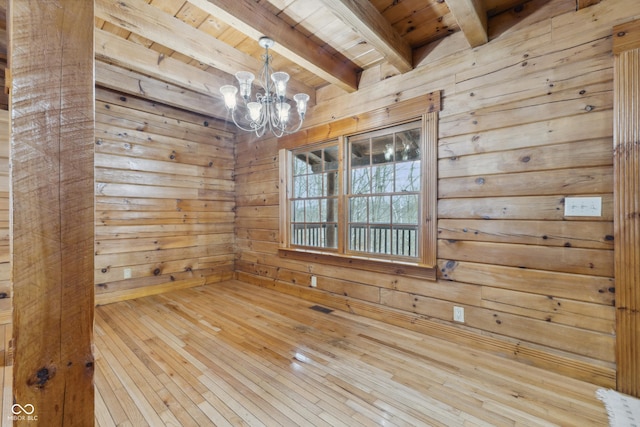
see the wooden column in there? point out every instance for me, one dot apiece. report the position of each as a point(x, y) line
point(626, 48)
point(52, 111)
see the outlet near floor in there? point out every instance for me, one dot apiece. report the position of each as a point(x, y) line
point(458, 314)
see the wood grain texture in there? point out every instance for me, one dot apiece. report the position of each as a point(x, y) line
point(53, 219)
point(627, 200)
point(472, 19)
point(5, 231)
point(164, 199)
point(235, 354)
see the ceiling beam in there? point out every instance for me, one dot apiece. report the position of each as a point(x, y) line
point(365, 19)
point(472, 19)
point(255, 20)
point(152, 23)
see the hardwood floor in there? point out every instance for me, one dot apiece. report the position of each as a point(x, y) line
point(236, 354)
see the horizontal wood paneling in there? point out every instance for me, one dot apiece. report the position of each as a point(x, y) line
point(526, 121)
point(164, 199)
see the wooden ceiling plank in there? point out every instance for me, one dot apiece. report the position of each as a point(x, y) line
point(365, 19)
point(291, 43)
point(147, 21)
point(472, 19)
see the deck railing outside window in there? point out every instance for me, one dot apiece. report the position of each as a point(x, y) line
point(379, 239)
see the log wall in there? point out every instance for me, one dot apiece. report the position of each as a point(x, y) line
point(526, 122)
point(164, 199)
point(5, 267)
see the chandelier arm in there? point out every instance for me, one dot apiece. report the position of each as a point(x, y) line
point(233, 117)
point(288, 132)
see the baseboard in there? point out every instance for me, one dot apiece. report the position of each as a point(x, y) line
point(127, 294)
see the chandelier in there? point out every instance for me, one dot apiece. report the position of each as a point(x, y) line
point(270, 108)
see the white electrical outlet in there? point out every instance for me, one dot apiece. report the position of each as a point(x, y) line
point(127, 273)
point(314, 281)
point(583, 206)
point(458, 314)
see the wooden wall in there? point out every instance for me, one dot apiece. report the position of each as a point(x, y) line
point(5, 268)
point(526, 122)
point(164, 199)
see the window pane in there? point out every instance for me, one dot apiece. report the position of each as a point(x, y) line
point(297, 234)
point(405, 209)
point(380, 209)
point(329, 210)
point(331, 240)
point(382, 179)
point(331, 158)
point(315, 157)
point(408, 176)
point(315, 185)
point(300, 164)
point(380, 239)
point(382, 149)
point(405, 241)
point(300, 186)
point(360, 153)
point(331, 184)
point(297, 211)
point(360, 181)
point(407, 145)
point(358, 238)
point(312, 210)
point(358, 209)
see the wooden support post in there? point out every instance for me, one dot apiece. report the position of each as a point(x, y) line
point(52, 112)
point(626, 48)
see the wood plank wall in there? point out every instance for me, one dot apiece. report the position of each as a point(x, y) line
point(164, 199)
point(5, 267)
point(526, 122)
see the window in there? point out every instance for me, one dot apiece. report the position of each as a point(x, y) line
point(314, 197)
point(383, 191)
point(364, 196)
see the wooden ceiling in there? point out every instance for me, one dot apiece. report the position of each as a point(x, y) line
point(193, 47)
point(199, 44)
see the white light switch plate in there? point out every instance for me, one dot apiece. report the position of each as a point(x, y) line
point(583, 206)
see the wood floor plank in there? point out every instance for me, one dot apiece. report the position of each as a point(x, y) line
point(103, 417)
